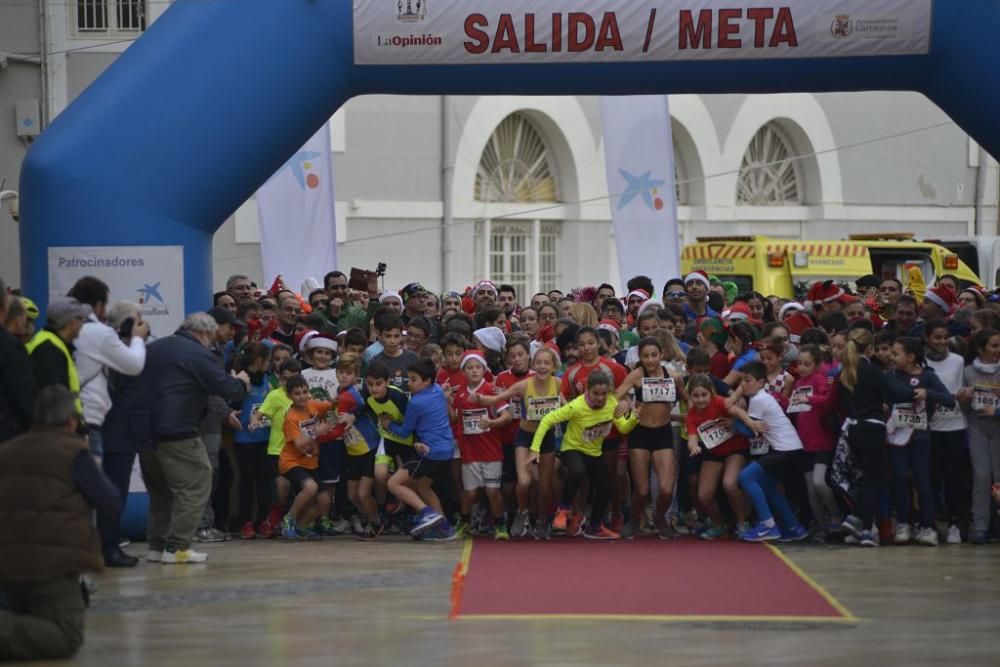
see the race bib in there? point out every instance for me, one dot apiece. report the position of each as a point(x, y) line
point(759, 446)
point(799, 400)
point(659, 390)
point(910, 415)
point(264, 420)
point(941, 412)
point(715, 432)
point(308, 427)
point(471, 421)
point(538, 406)
point(595, 433)
point(353, 439)
point(985, 397)
point(516, 407)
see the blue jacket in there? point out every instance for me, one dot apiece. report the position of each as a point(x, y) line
point(427, 419)
point(128, 426)
point(181, 374)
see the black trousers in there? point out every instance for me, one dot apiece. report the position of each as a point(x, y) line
point(867, 443)
point(580, 466)
point(255, 481)
point(118, 467)
point(951, 466)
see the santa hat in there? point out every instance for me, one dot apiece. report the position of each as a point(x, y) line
point(319, 341)
point(848, 299)
point(389, 294)
point(641, 293)
point(824, 292)
point(473, 355)
point(492, 338)
point(302, 339)
point(789, 307)
point(796, 324)
point(943, 297)
point(700, 276)
point(610, 325)
point(738, 311)
point(646, 305)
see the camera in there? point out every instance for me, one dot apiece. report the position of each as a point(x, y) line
point(380, 269)
point(125, 330)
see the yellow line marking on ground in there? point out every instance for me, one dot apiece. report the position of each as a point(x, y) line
point(834, 602)
point(466, 556)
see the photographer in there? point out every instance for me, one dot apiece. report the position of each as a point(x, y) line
point(341, 308)
point(100, 349)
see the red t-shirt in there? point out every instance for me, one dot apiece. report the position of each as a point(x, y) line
point(715, 410)
point(506, 380)
point(719, 365)
point(574, 380)
point(474, 444)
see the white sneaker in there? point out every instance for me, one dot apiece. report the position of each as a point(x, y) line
point(342, 526)
point(903, 534)
point(185, 556)
point(153, 556)
point(954, 535)
point(927, 537)
point(356, 526)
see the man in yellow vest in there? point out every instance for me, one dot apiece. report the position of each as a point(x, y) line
point(51, 349)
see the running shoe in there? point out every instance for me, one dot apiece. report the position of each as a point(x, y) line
point(309, 534)
point(712, 532)
point(288, 529)
point(443, 532)
point(342, 526)
point(357, 526)
point(794, 534)
point(248, 532)
point(462, 529)
point(209, 535)
point(903, 534)
point(425, 519)
point(742, 529)
point(500, 532)
point(867, 539)
point(852, 525)
point(183, 556)
point(561, 519)
point(521, 524)
point(265, 530)
point(367, 533)
point(762, 533)
point(665, 531)
point(543, 530)
point(575, 527)
point(327, 527)
point(618, 523)
point(927, 537)
point(602, 532)
point(628, 531)
point(954, 535)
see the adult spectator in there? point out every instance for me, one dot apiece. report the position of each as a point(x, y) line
point(224, 300)
point(604, 291)
point(696, 284)
point(51, 349)
point(127, 429)
point(289, 310)
point(484, 293)
point(217, 413)
point(17, 379)
point(181, 373)
point(99, 350)
point(889, 293)
point(414, 301)
point(351, 314)
point(51, 485)
point(240, 287)
point(904, 319)
point(641, 282)
point(507, 300)
point(674, 292)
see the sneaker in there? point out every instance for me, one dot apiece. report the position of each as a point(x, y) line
point(367, 533)
point(794, 534)
point(342, 526)
point(288, 529)
point(979, 537)
point(543, 530)
point(762, 533)
point(742, 529)
point(628, 531)
point(425, 519)
point(265, 530)
point(855, 541)
point(443, 532)
point(665, 531)
point(248, 532)
point(617, 524)
point(183, 556)
point(712, 533)
point(357, 526)
point(601, 533)
point(851, 525)
point(124, 543)
point(867, 539)
point(274, 516)
point(154, 556)
point(462, 529)
point(500, 532)
point(903, 534)
point(520, 527)
point(561, 519)
point(927, 537)
point(954, 535)
point(308, 534)
point(209, 535)
point(575, 527)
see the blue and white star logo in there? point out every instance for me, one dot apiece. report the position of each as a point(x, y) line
point(644, 186)
point(150, 292)
point(296, 164)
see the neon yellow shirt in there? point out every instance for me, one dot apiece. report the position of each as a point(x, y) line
point(275, 407)
point(587, 427)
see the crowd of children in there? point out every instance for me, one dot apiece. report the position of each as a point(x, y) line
point(835, 418)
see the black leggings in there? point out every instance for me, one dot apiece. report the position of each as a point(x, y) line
point(950, 465)
point(578, 466)
point(867, 443)
point(255, 480)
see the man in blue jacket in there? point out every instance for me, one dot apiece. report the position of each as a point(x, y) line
point(181, 374)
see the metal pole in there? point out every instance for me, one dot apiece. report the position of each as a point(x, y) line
point(447, 173)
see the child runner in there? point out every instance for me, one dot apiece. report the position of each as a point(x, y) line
point(518, 368)
point(910, 439)
point(657, 389)
point(980, 396)
point(779, 382)
point(394, 451)
point(811, 407)
point(319, 351)
point(480, 444)
point(950, 463)
point(395, 358)
point(273, 410)
point(251, 443)
point(591, 417)
point(304, 423)
point(723, 453)
point(360, 438)
point(427, 420)
point(782, 462)
point(539, 395)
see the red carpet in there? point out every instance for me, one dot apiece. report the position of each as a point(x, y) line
point(679, 580)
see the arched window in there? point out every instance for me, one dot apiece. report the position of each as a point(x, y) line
point(769, 176)
point(515, 167)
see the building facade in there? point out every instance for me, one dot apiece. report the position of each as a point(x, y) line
point(448, 190)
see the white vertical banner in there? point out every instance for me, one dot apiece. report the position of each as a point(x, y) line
point(298, 233)
point(639, 157)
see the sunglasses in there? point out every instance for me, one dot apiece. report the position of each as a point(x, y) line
point(676, 295)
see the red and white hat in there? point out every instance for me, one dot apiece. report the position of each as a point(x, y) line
point(738, 311)
point(700, 276)
point(641, 293)
point(473, 355)
point(824, 292)
point(647, 304)
point(318, 340)
point(790, 307)
point(942, 297)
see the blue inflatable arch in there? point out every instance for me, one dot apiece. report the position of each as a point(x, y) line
point(155, 151)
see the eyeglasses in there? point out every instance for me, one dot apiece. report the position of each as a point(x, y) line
point(676, 295)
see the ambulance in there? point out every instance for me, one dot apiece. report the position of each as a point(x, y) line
point(786, 268)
